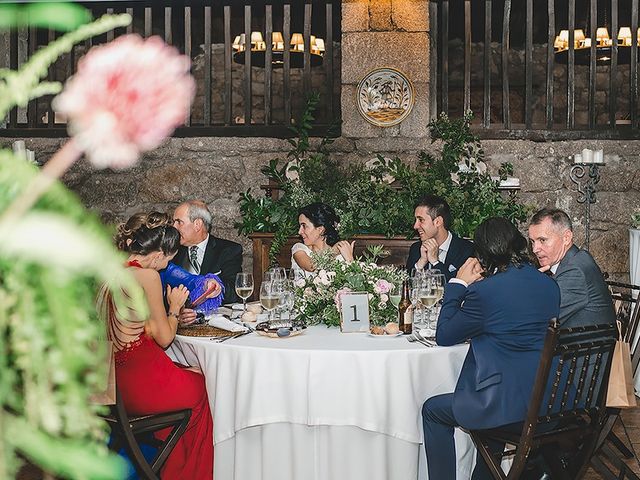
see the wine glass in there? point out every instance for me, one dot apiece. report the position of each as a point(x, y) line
point(244, 287)
point(396, 295)
point(269, 296)
point(437, 287)
point(288, 299)
point(279, 273)
point(279, 288)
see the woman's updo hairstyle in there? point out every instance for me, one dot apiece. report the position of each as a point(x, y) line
point(145, 233)
point(322, 215)
point(499, 244)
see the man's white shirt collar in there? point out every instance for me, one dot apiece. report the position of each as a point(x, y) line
point(554, 268)
point(444, 248)
point(202, 246)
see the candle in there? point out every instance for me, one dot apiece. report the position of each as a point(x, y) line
point(587, 156)
point(598, 156)
point(577, 158)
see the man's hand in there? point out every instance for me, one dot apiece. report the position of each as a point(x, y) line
point(429, 251)
point(544, 268)
point(470, 271)
point(217, 288)
point(187, 316)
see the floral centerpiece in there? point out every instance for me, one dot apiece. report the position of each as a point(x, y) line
point(318, 296)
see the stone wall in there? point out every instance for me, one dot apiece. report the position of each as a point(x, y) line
point(375, 33)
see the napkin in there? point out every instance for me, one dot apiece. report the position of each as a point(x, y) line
point(220, 321)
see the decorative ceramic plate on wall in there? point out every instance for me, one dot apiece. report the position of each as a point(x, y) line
point(385, 97)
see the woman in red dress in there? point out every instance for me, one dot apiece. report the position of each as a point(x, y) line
point(148, 381)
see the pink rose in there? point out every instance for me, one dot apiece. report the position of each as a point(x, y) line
point(382, 286)
point(126, 98)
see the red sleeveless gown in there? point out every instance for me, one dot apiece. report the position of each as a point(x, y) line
point(149, 382)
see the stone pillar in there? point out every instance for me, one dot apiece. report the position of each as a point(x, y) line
point(385, 33)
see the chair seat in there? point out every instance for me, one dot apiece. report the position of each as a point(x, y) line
point(125, 429)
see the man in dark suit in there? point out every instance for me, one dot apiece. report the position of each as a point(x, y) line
point(202, 253)
point(503, 305)
point(584, 296)
point(438, 248)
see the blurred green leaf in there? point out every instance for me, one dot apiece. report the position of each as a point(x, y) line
point(55, 15)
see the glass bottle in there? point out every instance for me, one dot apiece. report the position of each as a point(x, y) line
point(405, 310)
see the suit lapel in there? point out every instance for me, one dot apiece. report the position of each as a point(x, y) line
point(567, 258)
point(209, 262)
point(453, 251)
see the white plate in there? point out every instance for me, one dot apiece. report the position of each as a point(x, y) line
point(386, 335)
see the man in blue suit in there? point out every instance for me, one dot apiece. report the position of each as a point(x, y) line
point(438, 248)
point(503, 305)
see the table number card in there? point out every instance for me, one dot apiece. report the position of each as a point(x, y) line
point(354, 312)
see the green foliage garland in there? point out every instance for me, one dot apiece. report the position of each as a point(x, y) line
point(379, 197)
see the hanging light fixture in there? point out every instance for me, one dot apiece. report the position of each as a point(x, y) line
point(604, 44)
point(296, 50)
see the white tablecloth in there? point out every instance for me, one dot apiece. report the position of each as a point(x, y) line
point(370, 389)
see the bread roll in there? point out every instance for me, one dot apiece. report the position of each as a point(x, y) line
point(391, 328)
point(249, 317)
point(377, 330)
point(254, 308)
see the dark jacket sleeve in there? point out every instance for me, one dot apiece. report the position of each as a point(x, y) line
point(230, 265)
point(461, 315)
point(573, 291)
point(414, 256)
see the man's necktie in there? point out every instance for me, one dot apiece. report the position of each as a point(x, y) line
point(193, 258)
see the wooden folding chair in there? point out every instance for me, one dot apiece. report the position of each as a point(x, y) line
point(126, 430)
point(567, 407)
point(610, 447)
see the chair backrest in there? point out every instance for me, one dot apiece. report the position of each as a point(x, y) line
point(625, 301)
point(571, 381)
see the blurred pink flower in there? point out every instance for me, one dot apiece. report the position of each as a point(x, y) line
point(126, 98)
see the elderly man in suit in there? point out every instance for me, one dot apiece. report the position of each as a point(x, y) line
point(438, 248)
point(584, 296)
point(502, 305)
point(202, 253)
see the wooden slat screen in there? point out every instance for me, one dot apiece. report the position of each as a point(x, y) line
point(509, 71)
point(254, 91)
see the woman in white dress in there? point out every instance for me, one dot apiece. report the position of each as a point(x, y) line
point(318, 230)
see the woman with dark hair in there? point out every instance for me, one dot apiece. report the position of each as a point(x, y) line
point(148, 381)
point(502, 305)
point(174, 275)
point(319, 232)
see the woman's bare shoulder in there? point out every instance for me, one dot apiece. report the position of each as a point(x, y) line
point(146, 276)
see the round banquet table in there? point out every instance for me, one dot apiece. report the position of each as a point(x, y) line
point(322, 405)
